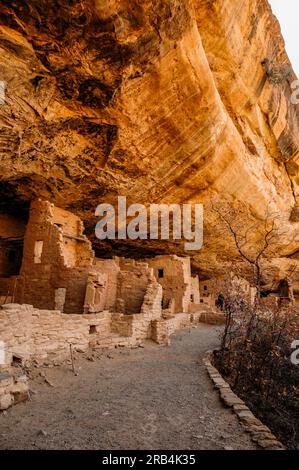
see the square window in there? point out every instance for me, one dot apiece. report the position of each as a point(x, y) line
point(160, 273)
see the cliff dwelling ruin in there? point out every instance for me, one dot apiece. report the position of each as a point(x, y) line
point(179, 103)
point(55, 292)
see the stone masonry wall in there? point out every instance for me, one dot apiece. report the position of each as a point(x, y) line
point(210, 289)
point(138, 326)
point(29, 333)
point(132, 286)
point(163, 329)
point(195, 290)
point(45, 336)
point(14, 388)
point(101, 291)
point(174, 274)
point(56, 256)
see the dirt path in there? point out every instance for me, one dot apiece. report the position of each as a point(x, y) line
point(152, 398)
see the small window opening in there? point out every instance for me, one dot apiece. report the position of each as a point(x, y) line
point(16, 361)
point(12, 256)
point(160, 273)
point(38, 249)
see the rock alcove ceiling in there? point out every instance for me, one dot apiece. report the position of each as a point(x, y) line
point(161, 101)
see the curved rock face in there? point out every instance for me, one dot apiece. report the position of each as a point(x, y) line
point(159, 100)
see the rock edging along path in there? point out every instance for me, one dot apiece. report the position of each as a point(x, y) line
point(154, 397)
point(259, 433)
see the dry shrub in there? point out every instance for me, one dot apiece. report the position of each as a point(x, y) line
point(255, 359)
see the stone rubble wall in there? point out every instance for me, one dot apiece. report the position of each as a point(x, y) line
point(101, 291)
point(204, 313)
point(195, 290)
point(132, 286)
point(46, 335)
point(270, 302)
point(176, 280)
point(212, 318)
point(59, 270)
point(163, 329)
point(259, 433)
point(63, 259)
point(138, 326)
point(14, 388)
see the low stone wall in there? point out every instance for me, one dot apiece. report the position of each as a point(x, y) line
point(203, 313)
point(164, 328)
point(45, 335)
point(259, 433)
point(13, 389)
point(212, 318)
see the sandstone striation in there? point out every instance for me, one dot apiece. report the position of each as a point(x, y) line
point(161, 101)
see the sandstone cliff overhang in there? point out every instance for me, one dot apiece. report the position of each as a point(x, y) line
point(161, 100)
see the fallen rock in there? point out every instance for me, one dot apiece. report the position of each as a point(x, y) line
point(6, 401)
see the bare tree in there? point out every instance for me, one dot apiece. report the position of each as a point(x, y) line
point(254, 241)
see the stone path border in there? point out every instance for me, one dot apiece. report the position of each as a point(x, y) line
point(259, 433)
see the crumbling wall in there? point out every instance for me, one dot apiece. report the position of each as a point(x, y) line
point(162, 329)
point(96, 292)
point(132, 286)
point(195, 295)
point(174, 274)
point(126, 264)
point(43, 335)
point(212, 317)
point(101, 291)
point(207, 292)
point(14, 388)
point(139, 326)
point(56, 256)
point(152, 302)
point(211, 288)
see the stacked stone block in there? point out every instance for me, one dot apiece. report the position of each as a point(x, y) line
point(13, 389)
